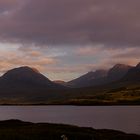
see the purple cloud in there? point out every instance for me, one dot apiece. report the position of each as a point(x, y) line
point(73, 22)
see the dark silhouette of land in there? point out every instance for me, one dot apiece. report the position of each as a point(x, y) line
point(19, 130)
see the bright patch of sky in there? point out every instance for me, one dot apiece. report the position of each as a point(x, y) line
point(8, 47)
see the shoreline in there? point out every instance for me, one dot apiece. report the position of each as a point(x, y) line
point(41, 104)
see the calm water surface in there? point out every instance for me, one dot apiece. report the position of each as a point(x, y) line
point(124, 118)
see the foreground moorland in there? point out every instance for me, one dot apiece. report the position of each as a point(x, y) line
point(18, 130)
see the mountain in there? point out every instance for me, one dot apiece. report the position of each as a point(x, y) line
point(117, 72)
point(100, 77)
point(25, 85)
point(138, 65)
point(25, 75)
point(90, 78)
point(25, 82)
point(133, 75)
point(121, 86)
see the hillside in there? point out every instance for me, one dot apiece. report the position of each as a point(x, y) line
point(119, 86)
point(100, 77)
point(89, 79)
point(25, 84)
point(123, 90)
point(133, 74)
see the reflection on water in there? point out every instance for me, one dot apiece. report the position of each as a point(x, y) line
point(125, 118)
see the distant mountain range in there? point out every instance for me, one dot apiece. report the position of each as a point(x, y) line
point(101, 77)
point(28, 85)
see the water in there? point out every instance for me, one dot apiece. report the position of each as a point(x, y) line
point(124, 118)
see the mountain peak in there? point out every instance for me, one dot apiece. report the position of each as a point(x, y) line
point(25, 74)
point(24, 71)
point(121, 66)
point(26, 80)
point(25, 68)
point(138, 65)
point(118, 71)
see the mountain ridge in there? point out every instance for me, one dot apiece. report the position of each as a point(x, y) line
point(85, 80)
point(25, 85)
point(100, 76)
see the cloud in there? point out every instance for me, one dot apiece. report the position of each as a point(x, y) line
point(130, 53)
point(73, 22)
point(16, 58)
point(69, 37)
point(67, 64)
point(100, 57)
point(89, 50)
point(8, 4)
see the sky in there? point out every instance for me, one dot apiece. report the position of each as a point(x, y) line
point(64, 39)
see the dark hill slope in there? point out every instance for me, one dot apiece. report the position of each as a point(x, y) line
point(89, 79)
point(25, 76)
point(133, 75)
point(100, 77)
point(25, 82)
point(117, 72)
